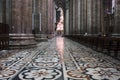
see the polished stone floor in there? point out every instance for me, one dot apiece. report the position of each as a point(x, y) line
point(59, 59)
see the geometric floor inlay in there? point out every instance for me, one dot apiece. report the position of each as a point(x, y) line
point(59, 59)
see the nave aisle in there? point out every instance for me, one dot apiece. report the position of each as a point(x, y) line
point(59, 59)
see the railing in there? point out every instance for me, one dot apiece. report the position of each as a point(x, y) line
point(4, 36)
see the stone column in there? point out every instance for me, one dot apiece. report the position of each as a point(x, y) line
point(52, 18)
point(81, 16)
point(8, 13)
point(74, 17)
point(36, 16)
point(78, 15)
point(71, 17)
point(101, 17)
point(84, 16)
point(116, 31)
point(89, 8)
point(26, 16)
point(4, 11)
point(21, 35)
point(67, 18)
point(45, 9)
point(94, 20)
point(44, 19)
point(98, 17)
point(40, 22)
point(16, 16)
point(37, 19)
point(1, 11)
point(50, 23)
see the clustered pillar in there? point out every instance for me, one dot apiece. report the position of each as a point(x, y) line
point(116, 31)
point(66, 28)
point(2, 11)
point(29, 21)
point(46, 27)
point(21, 28)
point(71, 17)
point(89, 17)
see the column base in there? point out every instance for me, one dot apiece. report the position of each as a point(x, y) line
point(116, 35)
point(51, 36)
point(22, 41)
point(41, 37)
point(4, 53)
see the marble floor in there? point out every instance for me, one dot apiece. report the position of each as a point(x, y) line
point(59, 59)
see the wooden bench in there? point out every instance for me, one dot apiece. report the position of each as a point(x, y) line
point(108, 45)
point(4, 36)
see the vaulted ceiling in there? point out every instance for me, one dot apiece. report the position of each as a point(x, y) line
point(60, 3)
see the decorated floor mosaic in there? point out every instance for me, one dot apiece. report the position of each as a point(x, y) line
point(59, 59)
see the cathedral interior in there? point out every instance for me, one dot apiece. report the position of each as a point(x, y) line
point(59, 39)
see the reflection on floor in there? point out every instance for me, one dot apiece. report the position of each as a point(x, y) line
point(59, 59)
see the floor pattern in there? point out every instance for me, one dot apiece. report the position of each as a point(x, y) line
point(59, 59)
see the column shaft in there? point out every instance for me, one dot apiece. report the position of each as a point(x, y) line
point(84, 16)
point(94, 16)
point(116, 31)
point(1, 12)
point(71, 17)
point(74, 17)
point(78, 15)
point(66, 28)
point(21, 35)
point(89, 8)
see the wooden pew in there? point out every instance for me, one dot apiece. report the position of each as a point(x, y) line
point(108, 45)
point(4, 36)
